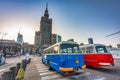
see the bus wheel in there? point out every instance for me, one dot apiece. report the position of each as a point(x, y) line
point(49, 67)
point(42, 61)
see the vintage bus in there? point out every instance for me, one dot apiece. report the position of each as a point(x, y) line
point(96, 55)
point(64, 57)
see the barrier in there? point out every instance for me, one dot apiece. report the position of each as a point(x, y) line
point(20, 74)
point(17, 68)
point(23, 64)
point(13, 70)
point(7, 76)
point(16, 73)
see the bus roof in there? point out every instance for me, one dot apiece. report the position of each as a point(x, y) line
point(88, 45)
point(64, 42)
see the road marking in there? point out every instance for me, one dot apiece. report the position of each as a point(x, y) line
point(42, 67)
point(47, 73)
point(43, 71)
point(2, 70)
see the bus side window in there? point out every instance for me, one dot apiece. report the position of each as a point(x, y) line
point(82, 50)
point(69, 50)
point(75, 50)
point(52, 50)
point(56, 49)
point(89, 49)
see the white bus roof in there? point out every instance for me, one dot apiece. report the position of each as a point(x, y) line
point(64, 42)
point(88, 45)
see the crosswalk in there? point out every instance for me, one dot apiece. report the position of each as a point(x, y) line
point(45, 74)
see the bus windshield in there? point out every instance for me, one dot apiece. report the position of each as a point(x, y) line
point(69, 48)
point(101, 49)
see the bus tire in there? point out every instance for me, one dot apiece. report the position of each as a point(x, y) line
point(49, 67)
point(43, 61)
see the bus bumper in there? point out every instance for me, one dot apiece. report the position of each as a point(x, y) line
point(66, 69)
point(84, 67)
point(105, 64)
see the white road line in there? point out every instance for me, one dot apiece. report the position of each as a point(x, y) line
point(2, 70)
point(39, 65)
point(42, 67)
point(42, 74)
point(43, 71)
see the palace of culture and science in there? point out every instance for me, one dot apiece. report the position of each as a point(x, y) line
point(44, 38)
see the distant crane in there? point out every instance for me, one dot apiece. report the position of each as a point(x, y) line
point(113, 34)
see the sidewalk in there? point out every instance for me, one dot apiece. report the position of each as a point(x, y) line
point(31, 72)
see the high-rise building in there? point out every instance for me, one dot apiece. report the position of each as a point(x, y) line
point(59, 38)
point(118, 45)
point(56, 38)
point(20, 39)
point(45, 29)
point(90, 40)
point(37, 39)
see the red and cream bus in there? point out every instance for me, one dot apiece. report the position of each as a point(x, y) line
point(96, 55)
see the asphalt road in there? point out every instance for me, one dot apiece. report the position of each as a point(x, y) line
point(90, 73)
point(109, 72)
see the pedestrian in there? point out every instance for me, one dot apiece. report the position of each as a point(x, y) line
point(41, 51)
point(27, 56)
point(4, 52)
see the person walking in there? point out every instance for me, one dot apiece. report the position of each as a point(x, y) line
point(27, 57)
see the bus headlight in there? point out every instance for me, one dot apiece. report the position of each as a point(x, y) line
point(77, 61)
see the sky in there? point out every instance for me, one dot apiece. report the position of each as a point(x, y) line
point(72, 19)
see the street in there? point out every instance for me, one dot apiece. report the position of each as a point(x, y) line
point(40, 71)
point(101, 73)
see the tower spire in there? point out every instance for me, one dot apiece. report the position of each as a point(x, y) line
point(46, 11)
point(47, 6)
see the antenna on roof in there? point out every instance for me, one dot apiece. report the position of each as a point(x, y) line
point(113, 34)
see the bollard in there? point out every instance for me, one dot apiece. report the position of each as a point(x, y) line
point(29, 60)
point(20, 74)
point(23, 64)
point(26, 62)
point(13, 69)
point(17, 68)
point(7, 75)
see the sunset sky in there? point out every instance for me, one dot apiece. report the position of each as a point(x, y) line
point(77, 19)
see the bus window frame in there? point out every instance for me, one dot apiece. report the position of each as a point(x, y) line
point(103, 47)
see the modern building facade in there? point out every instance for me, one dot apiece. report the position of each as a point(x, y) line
point(56, 38)
point(45, 29)
point(118, 45)
point(90, 41)
point(37, 39)
point(20, 39)
point(10, 46)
